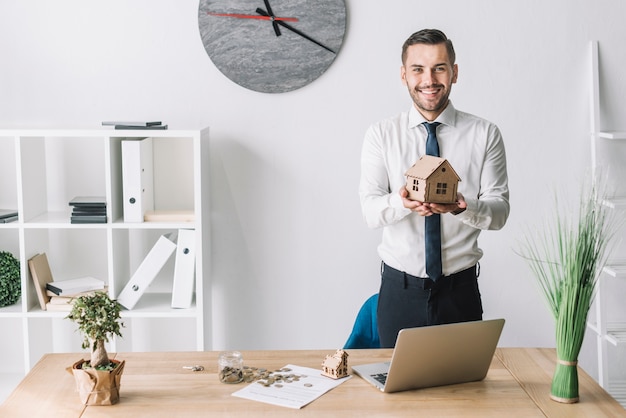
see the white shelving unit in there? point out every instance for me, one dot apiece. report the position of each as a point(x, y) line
point(609, 324)
point(40, 172)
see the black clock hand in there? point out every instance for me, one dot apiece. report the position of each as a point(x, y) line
point(294, 30)
point(271, 14)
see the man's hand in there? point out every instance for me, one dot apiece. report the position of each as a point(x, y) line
point(427, 209)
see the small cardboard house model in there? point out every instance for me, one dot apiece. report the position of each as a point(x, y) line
point(433, 180)
point(336, 366)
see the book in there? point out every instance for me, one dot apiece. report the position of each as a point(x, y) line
point(75, 295)
point(184, 269)
point(90, 209)
point(59, 303)
point(132, 123)
point(72, 286)
point(8, 219)
point(7, 213)
point(84, 219)
point(169, 216)
point(88, 202)
point(41, 274)
point(137, 178)
point(140, 127)
point(147, 271)
point(59, 307)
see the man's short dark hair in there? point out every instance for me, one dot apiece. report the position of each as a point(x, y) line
point(429, 37)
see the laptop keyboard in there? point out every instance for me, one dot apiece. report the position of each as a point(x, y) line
point(380, 377)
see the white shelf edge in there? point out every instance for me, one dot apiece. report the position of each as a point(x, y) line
point(615, 268)
point(618, 202)
point(593, 327)
point(616, 333)
point(617, 389)
point(98, 133)
point(616, 135)
point(153, 225)
point(158, 305)
point(150, 305)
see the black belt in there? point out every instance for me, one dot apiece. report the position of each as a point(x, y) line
point(426, 282)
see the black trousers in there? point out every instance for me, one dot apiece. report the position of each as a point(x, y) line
point(406, 301)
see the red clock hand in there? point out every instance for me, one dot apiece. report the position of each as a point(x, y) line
point(258, 17)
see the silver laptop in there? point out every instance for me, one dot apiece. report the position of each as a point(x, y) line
point(435, 356)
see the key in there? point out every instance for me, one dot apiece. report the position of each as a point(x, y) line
point(194, 368)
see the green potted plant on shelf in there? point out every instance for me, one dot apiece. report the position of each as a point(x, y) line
point(98, 318)
point(10, 286)
point(567, 257)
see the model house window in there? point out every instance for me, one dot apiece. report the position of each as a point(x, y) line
point(415, 185)
point(441, 188)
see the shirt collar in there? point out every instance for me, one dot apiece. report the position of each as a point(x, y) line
point(447, 117)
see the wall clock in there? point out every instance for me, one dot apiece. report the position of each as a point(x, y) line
point(272, 46)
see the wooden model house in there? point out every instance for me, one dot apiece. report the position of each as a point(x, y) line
point(336, 366)
point(433, 180)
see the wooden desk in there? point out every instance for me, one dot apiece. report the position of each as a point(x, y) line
point(155, 385)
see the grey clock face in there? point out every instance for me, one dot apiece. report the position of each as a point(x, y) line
point(276, 49)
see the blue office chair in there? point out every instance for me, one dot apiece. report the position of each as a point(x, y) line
point(365, 331)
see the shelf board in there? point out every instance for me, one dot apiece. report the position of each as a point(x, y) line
point(153, 225)
point(616, 333)
point(617, 135)
point(56, 220)
point(593, 327)
point(12, 311)
point(617, 389)
point(615, 268)
point(618, 202)
point(158, 305)
point(151, 305)
point(100, 132)
point(61, 220)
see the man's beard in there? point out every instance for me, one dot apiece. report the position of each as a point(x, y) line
point(429, 106)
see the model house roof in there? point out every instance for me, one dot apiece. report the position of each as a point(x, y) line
point(427, 165)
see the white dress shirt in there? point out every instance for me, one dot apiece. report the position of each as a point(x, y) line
point(474, 148)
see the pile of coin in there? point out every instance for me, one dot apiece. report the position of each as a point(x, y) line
point(269, 378)
point(231, 375)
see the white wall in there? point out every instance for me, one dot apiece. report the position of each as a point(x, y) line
point(292, 258)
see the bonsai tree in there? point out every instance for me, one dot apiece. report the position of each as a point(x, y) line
point(98, 318)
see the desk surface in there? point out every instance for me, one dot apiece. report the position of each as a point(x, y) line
point(155, 385)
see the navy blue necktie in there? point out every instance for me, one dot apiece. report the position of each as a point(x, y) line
point(433, 222)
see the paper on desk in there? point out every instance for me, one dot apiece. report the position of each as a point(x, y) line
point(292, 395)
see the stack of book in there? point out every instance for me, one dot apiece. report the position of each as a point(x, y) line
point(7, 215)
point(73, 287)
point(66, 302)
point(59, 295)
point(88, 210)
point(135, 125)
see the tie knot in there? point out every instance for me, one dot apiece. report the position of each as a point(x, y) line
point(431, 127)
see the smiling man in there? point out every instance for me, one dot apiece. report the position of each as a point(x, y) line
point(430, 251)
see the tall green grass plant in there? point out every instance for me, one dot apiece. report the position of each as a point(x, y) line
point(567, 257)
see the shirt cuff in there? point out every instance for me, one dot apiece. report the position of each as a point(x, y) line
point(467, 213)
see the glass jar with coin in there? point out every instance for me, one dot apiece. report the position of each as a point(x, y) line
point(230, 367)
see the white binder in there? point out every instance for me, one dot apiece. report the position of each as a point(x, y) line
point(137, 178)
point(184, 269)
point(147, 271)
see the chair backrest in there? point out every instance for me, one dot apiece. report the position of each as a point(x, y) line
point(365, 330)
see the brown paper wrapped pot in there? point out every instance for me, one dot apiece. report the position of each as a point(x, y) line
point(98, 387)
